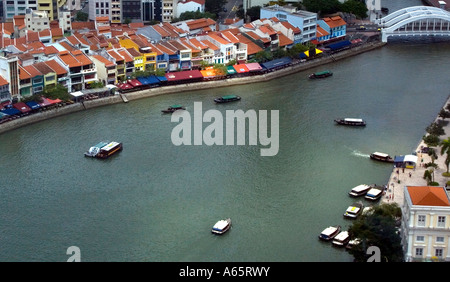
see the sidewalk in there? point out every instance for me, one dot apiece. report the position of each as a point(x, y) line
point(414, 177)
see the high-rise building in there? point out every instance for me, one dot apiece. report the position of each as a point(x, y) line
point(19, 7)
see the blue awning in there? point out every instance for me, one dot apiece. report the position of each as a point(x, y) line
point(161, 78)
point(11, 111)
point(276, 63)
point(33, 105)
point(149, 80)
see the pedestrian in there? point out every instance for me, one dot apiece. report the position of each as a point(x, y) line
point(410, 174)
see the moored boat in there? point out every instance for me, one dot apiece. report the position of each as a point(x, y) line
point(221, 226)
point(383, 157)
point(352, 243)
point(109, 150)
point(351, 121)
point(173, 108)
point(353, 211)
point(321, 74)
point(374, 194)
point(341, 239)
point(359, 190)
point(329, 233)
point(227, 98)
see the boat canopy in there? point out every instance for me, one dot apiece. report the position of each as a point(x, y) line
point(353, 209)
point(352, 119)
point(329, 230)
point(176, 106)
point(360, 187)
point(100, 145)
point(341, 236)
point(410, 158)
point(322, 72)
point(229, 97)
point(220, 225)
point(373, 192)
point(110, 146)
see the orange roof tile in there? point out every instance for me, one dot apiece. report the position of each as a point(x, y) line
point(81, 57)
point(54, 65)
point(124, 53)
point(23, 74)
point(69, 60)
point(334, 21)
point(321, 32)
point(428, 196)
point(103, 60)
point(3, 81)
point(32, 71)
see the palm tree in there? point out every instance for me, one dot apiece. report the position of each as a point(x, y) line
point(428, 176)
point(446, 149)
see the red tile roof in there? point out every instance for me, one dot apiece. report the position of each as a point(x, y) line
point(428, 196)
point(103, 60)
point(3, 81)
point(54, 65)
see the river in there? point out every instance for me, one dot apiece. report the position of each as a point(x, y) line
point(155, 201)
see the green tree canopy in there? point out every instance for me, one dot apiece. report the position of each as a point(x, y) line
point(355, 7)
point(215, 6)
point(322, 6)
point(56, 92)
point(379, 228)
point(81, 17)
point(194, 15)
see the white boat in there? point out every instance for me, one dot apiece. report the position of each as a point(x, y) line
point(374, 194)
point(221, 226)
point(359, 190)
point(330, 232)
point(354, 210)
point(341, 239)
point(352, 243)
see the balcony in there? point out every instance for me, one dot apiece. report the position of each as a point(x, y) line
point(89, 70)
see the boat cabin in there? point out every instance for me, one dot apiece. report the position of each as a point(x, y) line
point(341, 239)
point(353, 211)
point(359, 190)
point(374, 194)
point(351, 121)
point(329, 233)
point(381, 157)
point(221, 226)
point(227, 98)
point(109, 150)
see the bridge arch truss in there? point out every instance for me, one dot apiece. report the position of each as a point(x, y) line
point(415, 21)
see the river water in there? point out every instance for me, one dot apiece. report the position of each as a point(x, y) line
point(157, 202)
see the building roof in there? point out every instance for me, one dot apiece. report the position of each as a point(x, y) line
point(321, 32)
point(334, 21)
point(3, 81)
point(428, 196)
point(68, 59)
point(200, 23)
point(43, 68)
point(103, 60)
point(55, 66)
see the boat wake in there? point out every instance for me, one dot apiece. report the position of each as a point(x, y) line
point(359, 154)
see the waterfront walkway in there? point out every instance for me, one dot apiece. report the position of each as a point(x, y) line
point(414, 177)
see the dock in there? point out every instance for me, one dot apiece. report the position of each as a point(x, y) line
point(414, 177)
point(124, 98)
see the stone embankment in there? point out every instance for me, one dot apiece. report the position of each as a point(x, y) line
point(297, 67)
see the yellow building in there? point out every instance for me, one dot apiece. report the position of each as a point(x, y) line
point(50, 6)
point(146, 61)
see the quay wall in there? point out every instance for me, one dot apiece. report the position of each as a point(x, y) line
point(59, 111)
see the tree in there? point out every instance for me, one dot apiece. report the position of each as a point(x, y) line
point(444, 114)
point(446, 149)
point(379, 228)
point(435, 128)
point(215, 6)
point(254, 13)
point(355, 7)
point(81, 17)
point(56, 92)
point(322, 7)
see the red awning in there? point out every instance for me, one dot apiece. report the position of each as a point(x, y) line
point(241, 68)
point(253, 66)
point(22, 107)
point(125, 86)
point(134, 82)
point(184, 75)
point(56, 101)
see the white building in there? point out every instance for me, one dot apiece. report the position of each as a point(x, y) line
point(100, 8)
point(9, 69)
point(426, 223)
point(189, 6)
point(37, 20)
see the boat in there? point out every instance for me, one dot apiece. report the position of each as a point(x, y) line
point(93, 151)
point(381, 157)
point(321, 74)
point(354, 210)
point(228, 98)
point(341, 239)
point(359, 190)
point(329, 233)
point(374, 194)
point(221, 226)
point(109, 150)
point(352, 243)
point(351, 121)
point(173, 108)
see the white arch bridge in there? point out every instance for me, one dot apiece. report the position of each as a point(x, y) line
point(415, 21)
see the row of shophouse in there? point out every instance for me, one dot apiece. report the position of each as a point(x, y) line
point(109, 53)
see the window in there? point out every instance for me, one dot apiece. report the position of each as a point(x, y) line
point(438, 253)
point(440, 239)
point(441, 221)
point(421, 220)
point(419, 252)
point(420, 238)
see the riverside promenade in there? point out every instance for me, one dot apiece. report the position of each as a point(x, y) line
point(414, 177)
point(163, 90)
